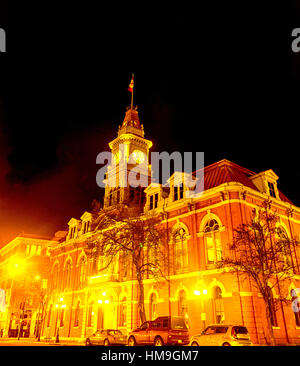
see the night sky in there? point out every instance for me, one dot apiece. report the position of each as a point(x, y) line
point(211, 79)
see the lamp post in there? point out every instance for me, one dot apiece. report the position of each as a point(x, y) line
point(61, 306)
point(202, 293)
point(42, 305)
point(102, 301)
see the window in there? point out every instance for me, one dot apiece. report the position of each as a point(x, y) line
point(123, 265)
point(182, 304)
point(33, 249)
point(82, 271)
point(221, 330)
point(49, 316)
point(76, 315)
point(90, 318)
point(213, 241)
point(272, 189)
point(296, 306)
point(86, 227)
point(180, 250)
point(178, 192)
point(62, 317)
point(144, 326)
point(67, 274)
point(153, 306)
point(72, 232)
point(123, 312)
point(153, 201)
point(285, 245)
point(55, 277)
point(209, 331)
point(218, 305)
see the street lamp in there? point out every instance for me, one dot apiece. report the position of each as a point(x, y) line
point(202, 294)
point(62, 306)
point(103, 301)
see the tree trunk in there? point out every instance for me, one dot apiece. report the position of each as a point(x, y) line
point(141, 300)
point(270, 326)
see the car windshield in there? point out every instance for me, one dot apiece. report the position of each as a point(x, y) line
point(240, 330)
point(178, 323)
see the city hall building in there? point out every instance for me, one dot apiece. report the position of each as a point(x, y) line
point(78, 298)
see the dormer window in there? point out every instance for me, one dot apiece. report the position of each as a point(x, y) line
point(86, 227)
point(72, 232)
point(178, 192)
point(272, 189)
point(153, 199)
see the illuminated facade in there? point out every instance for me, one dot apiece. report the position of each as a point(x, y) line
point(24, 274)
point(81, 299)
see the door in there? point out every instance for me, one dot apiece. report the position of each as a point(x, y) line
point(207, 338)
point(144, 334)
point(219, 337)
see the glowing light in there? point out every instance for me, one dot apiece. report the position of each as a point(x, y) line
point(197, 293)
point(104, 293)
point(15, 268)
point(106, 301)
point(100, 301)
point(61, 299)
point(205, 292)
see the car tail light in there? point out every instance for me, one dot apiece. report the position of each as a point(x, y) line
point(233, 334)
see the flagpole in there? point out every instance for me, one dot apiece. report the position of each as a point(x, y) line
point(132, 94)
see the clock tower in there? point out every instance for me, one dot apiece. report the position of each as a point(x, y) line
point(129, 172)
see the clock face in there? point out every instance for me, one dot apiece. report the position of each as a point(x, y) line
point(138, 156)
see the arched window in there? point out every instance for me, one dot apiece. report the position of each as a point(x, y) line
point(296, 306)
point(271, 307)
point(182, 304)
point(62, 317)
point(123, 265)
point(153, 306)
point(213, 241)
point(67, 274)
point(49, 316)
point(180, 250)
point(90, 315)
point(283, 241)
point(82, 271)
point(218, 305)
point(76, 315)
point(123, 312)
point(55, 277)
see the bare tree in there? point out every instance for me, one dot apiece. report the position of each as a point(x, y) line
point(260, 250)
point(121, 232)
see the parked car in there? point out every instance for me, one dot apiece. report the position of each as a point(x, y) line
point(106, 337)
point(160, 332)
point(222, 335)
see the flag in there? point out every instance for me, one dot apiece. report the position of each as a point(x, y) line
point(131, 85)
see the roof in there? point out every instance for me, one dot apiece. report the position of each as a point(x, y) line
point(225, 171)
point(132, 119)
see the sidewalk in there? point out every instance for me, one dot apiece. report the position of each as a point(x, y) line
point(32, 340)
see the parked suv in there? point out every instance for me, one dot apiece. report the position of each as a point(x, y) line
point(222, 335)
point(160, 332)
